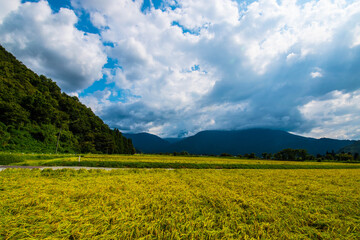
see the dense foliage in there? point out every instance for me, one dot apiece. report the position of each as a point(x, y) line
point(35, 113)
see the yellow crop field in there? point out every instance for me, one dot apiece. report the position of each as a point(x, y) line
point(164, 161)
point(180, 204)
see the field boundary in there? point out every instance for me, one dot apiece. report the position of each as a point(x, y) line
point(109, 165)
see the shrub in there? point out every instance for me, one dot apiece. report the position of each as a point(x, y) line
point(6, 159)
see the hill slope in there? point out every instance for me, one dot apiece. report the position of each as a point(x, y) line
point(34, 111)
point(148, 143)
point(353, 148)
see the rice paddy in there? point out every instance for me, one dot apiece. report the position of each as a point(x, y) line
point(180, 204)
point(162, 161)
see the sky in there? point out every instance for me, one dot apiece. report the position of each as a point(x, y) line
point(177, 67)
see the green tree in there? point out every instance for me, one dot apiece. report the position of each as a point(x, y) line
point(291, 155)
point(33, 111)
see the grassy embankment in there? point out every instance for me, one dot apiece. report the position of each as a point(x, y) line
point(180, 204)
point(162, 161)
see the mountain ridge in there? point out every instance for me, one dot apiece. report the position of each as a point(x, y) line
point(256, 140)
point(354, 148)
point(147, 143)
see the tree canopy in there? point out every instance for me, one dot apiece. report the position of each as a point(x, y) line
point(34, 113)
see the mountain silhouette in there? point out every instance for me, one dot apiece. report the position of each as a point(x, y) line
point(237, 142)
point(148, 143)
point(353, 148)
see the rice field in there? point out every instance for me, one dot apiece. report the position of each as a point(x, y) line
point(180, 204)
point(163, 161)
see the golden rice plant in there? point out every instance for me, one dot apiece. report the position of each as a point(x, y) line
point(180, 204)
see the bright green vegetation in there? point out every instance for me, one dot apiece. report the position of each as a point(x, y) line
point(34, 112)
point(24, 159)
point(180, 204)
point(162, 161)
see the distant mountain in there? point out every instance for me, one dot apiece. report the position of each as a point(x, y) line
point(173, 140)
point(352, 148)
point(255, 141)
point(35, 116)
point(148, 143)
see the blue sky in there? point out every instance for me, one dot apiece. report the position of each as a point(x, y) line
point(174, 68)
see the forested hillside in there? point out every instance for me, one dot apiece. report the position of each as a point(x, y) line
point(353, 148)
point(34, 113)
point(148, 143)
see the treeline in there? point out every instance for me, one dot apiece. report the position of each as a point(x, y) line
point(37, 117)
point(341, 157)
point(301, 155)
point(285, 155)
point(288, 154)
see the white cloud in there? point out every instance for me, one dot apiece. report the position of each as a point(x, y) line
point(98, 20)
point(356, 36)
point(154, 55)
point(7, 7)
point(316, 74)
point(197, 14)
point(337, 115)
point(266, 54)
point(50, 44)
point(255, 62)
point(98, 100)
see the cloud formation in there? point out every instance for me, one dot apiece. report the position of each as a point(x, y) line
point(50, 44)
point(188, 66)
point(8, 7)
point(336, 115)
point(257, 63)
